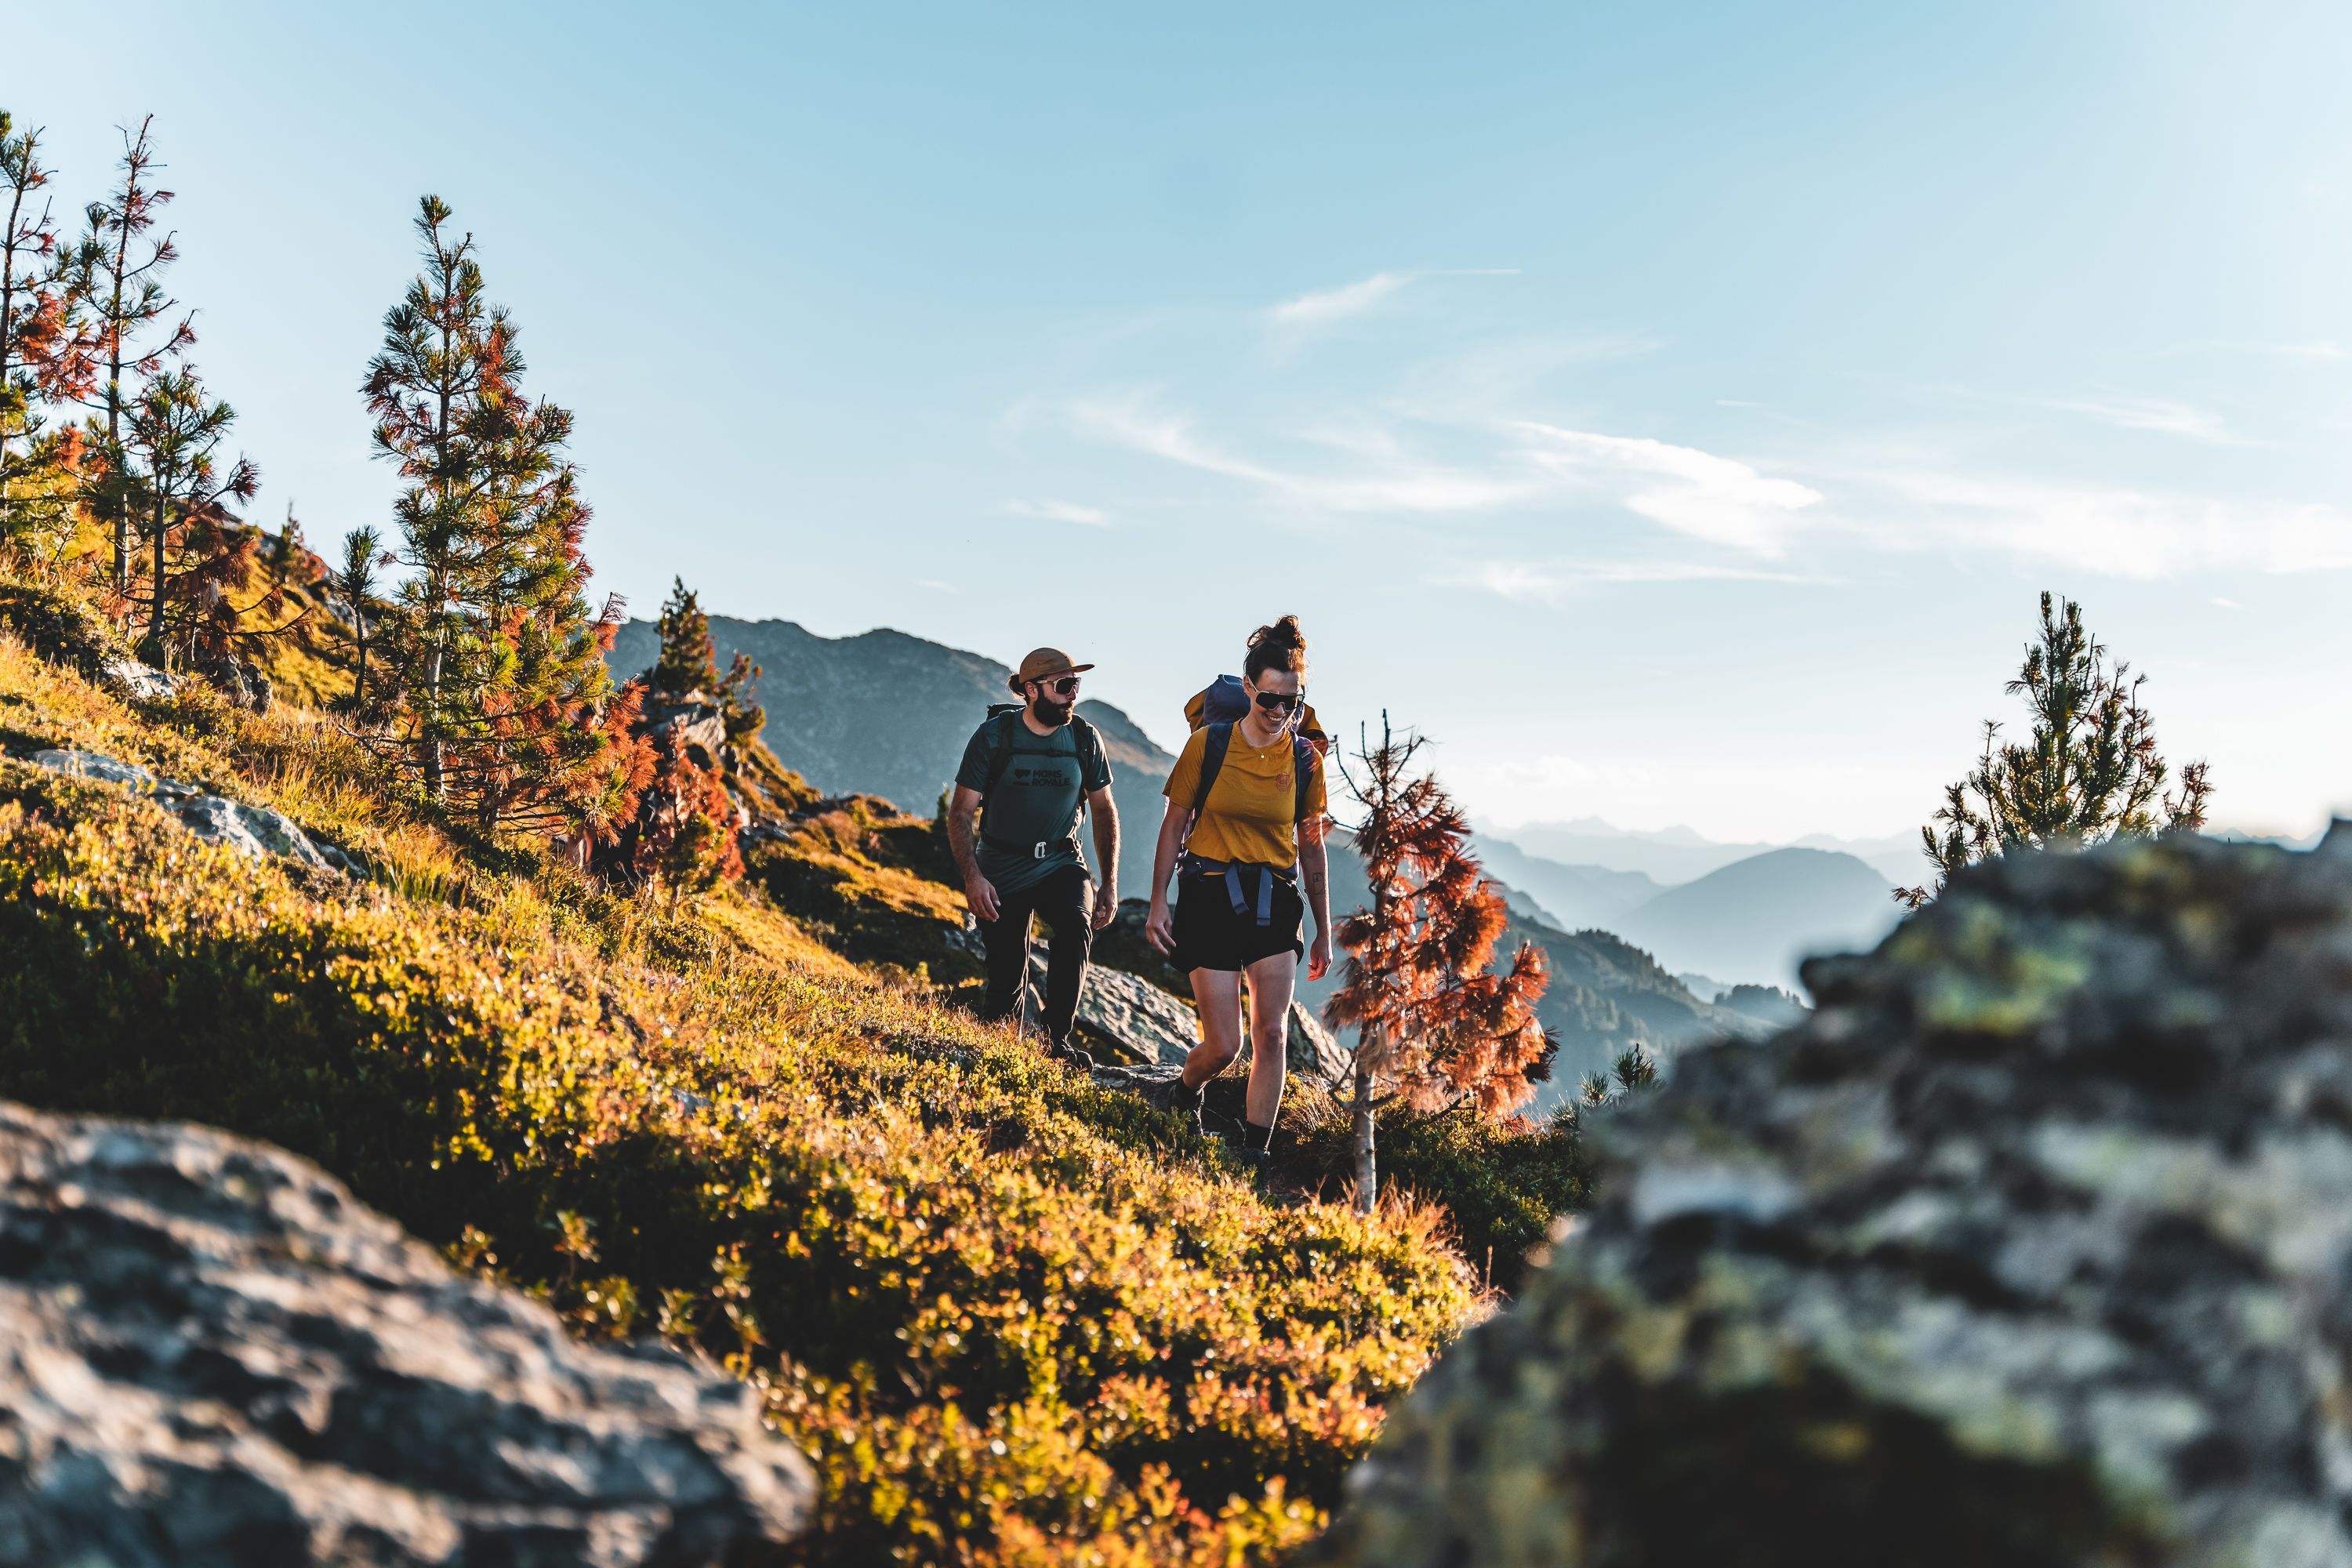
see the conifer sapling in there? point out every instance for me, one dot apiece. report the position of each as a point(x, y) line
point(117, 279)
point(44, 357)
point(2088, 770)
point(1434, 1025)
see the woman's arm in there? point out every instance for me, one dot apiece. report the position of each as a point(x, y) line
point(1159, 927)
point(1314, 875)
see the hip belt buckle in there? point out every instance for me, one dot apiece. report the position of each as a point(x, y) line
point(1037, 850)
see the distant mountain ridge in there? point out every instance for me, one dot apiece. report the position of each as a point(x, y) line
point(1756, 918)
point(1677, 854)
point(1573, 897)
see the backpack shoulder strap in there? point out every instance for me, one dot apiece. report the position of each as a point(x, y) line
point(999, 755)
point(1302, 771)
point(1216, 739)
point(1090, 748)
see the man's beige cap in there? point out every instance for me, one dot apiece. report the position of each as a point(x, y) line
point(1045, 664)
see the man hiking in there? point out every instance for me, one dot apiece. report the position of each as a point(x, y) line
point(1037, 767)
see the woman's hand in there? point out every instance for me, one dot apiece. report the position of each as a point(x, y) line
point(1319, 956)
point(1159, 928)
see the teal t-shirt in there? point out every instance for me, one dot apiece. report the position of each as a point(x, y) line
point(1035, 801)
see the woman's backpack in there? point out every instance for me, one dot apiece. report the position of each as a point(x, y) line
point(1217, 707)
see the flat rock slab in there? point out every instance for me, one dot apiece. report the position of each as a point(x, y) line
point(211, 1356)
point(2031, 1245)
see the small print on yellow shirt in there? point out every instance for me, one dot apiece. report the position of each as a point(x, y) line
point(1248, 816)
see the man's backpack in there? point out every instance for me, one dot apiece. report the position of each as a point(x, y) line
point(1222, 704)
point(1010, 731)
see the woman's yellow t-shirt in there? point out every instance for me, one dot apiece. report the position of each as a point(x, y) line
point(1250, 813)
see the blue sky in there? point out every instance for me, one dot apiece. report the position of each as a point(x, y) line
point(1673, 411)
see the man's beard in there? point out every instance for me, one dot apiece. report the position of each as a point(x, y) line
point(1046, 711)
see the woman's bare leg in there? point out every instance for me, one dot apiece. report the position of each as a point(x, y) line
point(1272, 981)
point(1217, 994)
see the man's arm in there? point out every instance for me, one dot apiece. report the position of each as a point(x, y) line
point(978, 892)
point(1106, 815)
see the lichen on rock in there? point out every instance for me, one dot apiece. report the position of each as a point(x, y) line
point(2032, 1245)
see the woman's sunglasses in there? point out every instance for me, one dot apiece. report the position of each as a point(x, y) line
point(1278, 702)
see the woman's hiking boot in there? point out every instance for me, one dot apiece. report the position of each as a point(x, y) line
point(1258, 1153)
point(1070, 1057)
point(1173, 1095)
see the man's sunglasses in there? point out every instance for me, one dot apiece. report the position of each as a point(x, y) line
point(1062, 688)
point(1276, 702)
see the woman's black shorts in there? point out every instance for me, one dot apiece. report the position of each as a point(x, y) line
point(1212, 934)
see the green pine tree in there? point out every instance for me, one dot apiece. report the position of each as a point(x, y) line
point(117, 277)
point(689, 660)
point(2087, 772)
point(167, 470)
point(505, 708)
point(355, 583)
point(45, 353)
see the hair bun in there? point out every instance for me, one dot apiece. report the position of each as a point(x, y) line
point(1281, 646)
point(1283, 633)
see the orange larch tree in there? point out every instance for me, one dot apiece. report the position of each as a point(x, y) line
point(1435, 1024)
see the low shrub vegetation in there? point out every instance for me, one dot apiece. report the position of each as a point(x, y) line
point(1014, 1318)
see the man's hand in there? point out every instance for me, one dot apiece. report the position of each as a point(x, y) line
point(1106, 905)
point(1159, 928)
point(1319, 956)
point(980, 894)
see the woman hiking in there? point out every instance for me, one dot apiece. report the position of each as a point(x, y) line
point(1244, 836)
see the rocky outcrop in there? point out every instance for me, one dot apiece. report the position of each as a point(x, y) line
point(254, 831)
point(137, 682)
point(1120, 1014)
point(211, 1357)
point(1123, 1016)
point(691, 722)
point(2031, 1245)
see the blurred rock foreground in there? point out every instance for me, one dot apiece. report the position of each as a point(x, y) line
point(2032, 1245)
point(210, 1354)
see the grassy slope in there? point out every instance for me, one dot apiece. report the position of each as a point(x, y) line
point(1015, 1319)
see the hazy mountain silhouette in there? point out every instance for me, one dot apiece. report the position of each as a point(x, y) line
point(1753, 919)
point(1671, 856)
point(1571, 897)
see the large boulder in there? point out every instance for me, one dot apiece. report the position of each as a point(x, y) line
point(1129, 1017)
point(210, 1354)
point(2032, 1245)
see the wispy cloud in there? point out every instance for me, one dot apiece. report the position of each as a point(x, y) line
point(2157, 416)
point(1395, 484)
point(1321, 308)
point(2112, 531)
point(1719, 499)
point(2310, 348)
point(1546, 583)
point(1060, 512)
